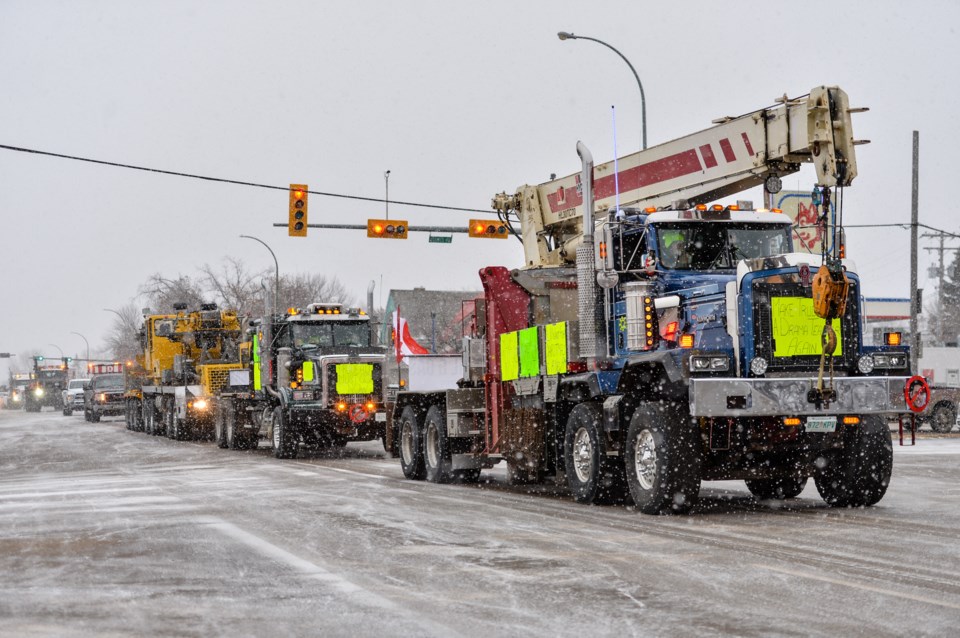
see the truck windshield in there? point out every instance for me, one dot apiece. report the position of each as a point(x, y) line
point(108, 381)
point(716, 245)
point(326, 334)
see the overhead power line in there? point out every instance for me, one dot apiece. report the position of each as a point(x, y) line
point(229, 181)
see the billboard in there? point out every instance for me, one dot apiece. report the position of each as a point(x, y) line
point(799, 206)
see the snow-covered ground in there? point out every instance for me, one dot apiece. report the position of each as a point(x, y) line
point(108, 532)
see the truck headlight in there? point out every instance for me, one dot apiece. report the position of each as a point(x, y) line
point(709, 363)
point(758, 366)
point(865, 364)
point(103, 397)
point(200, 404)
point(890, 360)
point(38, 392)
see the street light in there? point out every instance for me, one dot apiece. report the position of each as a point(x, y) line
point(85, 341)
point(563, 35)
point(276, 265)
point(62, 356)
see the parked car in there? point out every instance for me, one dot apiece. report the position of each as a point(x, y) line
point(103, 396)
point(942, 413)
point(73, 396)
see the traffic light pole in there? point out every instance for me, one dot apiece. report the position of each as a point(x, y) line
point(411, 229)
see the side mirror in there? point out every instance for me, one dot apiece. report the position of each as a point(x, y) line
point(86, 386)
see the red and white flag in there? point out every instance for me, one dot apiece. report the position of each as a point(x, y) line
point(403, 341)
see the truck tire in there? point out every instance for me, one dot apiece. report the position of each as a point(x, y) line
point(237, 438)
point(662, 459)
point(944, 417)
point(777, 489)
point(94, 417)
point(67, 412)
point(858, 475)
point(219, 428)
point(150, 418)
point(593, 476)
point(410, 444)
point(285, 443)
point(169, 420)
point(436, 447)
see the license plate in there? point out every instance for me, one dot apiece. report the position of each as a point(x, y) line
point(381, 416)
point(821, 424)
point(303, 395)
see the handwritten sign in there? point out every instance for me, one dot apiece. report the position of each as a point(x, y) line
point(797, 330)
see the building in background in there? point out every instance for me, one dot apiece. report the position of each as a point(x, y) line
point(437, 319)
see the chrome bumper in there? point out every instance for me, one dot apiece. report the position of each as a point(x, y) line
point(788, 396)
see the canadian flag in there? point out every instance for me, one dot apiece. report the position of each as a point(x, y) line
point(403, 341)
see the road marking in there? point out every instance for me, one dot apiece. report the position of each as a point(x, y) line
point(75, 492)
point(314, 571)
point(863, 586)
point(337, 469)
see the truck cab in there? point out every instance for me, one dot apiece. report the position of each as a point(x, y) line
point(330, 371)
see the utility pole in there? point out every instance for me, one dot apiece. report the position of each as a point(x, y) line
point(942, 236)
point(914, 216)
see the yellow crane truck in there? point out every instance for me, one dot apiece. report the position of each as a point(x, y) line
point(186, 359)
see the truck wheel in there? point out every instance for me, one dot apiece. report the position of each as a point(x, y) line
point(662, 459)
point(944, 417)
point(436, 447)
point(411, 445)
point(150, 424)
point(285, 442)
point(231, 438)
point(169, 420)
point(94, 417)
point(858, 475)
point(219, 428)
point(778, 489)
point(591, 475)
point(67, 412)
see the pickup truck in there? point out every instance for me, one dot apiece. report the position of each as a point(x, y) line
point(103, 396)
point(73, 396)
point(942, 413)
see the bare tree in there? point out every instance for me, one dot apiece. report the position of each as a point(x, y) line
point(233, 287)
point(301, 289)
point(123, 340)
point(162, 293)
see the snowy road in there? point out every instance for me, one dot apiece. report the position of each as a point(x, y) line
point(107, 532)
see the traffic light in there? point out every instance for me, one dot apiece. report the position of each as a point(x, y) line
point(488, 229)
point(387, 228)
point(297, 226)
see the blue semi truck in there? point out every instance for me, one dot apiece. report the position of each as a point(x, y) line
point(652, 341)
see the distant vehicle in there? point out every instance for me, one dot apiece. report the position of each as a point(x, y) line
point(942, 413)
point(4, 397)
point(103, 396)
point(73, 396)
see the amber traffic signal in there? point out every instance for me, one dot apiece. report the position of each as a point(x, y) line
point(387, 228)
point(297, 226)
point(488, 228)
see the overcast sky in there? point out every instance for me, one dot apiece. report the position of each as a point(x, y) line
point(458, 100)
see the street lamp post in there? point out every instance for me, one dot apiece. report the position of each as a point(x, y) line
point(276, 265)
point(563, 35)
point(85, 341)
point(62, 356)
point(386, 199)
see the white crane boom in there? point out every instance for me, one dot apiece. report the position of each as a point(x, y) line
point(735, 155)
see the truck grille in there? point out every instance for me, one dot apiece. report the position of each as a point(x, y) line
point(214, 376)
point(797, 356)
